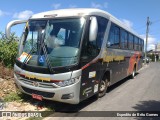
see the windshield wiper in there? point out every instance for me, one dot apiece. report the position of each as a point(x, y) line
point(46, 56)
point(42, 44)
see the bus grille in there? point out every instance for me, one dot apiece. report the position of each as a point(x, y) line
point(40, 84)
point(44, 94)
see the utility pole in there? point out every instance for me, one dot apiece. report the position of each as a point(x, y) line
point(147, 31)
point(155, 52)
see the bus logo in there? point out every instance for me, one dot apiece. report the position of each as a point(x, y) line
point(36, 84)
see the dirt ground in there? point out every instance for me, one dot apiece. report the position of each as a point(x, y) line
point(7, 86)
point(6, 81)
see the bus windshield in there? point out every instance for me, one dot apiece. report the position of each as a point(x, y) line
point(58, 39)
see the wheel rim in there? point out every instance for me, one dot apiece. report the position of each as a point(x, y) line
point(133, 74)
point(102, 86)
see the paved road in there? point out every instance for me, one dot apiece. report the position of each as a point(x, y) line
point(139, 94)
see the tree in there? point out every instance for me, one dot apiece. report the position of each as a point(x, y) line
point(8, 49)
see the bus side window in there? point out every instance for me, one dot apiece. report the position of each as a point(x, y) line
point(124, 38)
point(141, 44)
point(114, 37)
point(92, 48)
point(102, 25)
point(136, 43)
point(130, 43)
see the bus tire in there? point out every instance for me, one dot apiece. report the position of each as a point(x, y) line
point(133, 73)
point(103, 88)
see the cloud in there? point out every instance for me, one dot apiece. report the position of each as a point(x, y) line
point(128, 23)
point(100, 6)
point(151, 47)
point(2, 13)
point(96, 5)
point(56, 5)
point(72, 6)
point(23, 15)
point(151, 42)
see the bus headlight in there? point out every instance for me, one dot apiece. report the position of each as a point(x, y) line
point(68, 82)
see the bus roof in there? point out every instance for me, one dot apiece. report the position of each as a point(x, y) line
point(82, 12)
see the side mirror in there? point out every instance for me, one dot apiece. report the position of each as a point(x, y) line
point(12, 23)
point(93, 29)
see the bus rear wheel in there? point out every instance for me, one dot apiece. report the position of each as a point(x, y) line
point(103, 88)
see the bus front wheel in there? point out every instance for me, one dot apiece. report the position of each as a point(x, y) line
point(103, 88)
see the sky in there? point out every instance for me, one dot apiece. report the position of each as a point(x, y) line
point(133, 13)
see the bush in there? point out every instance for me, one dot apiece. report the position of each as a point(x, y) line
point(8, 50)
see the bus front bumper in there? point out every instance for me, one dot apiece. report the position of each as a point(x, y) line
point(68, 94)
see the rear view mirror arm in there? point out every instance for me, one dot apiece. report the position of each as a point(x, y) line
point(12, 23)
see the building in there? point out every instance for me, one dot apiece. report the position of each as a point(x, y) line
point(155, 53)
point(158, 47)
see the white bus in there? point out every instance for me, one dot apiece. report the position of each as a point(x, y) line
point(70, 55)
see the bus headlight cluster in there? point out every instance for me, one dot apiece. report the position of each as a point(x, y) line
point(68, 82)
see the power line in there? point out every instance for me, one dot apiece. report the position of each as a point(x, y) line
point(144, 26)
point(153, 32)
point(156, 21)
point(140, 27)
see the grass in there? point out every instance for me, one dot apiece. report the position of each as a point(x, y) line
point(13, 96)
point(16, 96)
point(35, 118)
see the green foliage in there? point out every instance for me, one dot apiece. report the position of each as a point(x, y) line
point(13, 96)
point(151, 56)
point(8, 49)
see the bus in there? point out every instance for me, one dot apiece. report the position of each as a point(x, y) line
point(69, 55)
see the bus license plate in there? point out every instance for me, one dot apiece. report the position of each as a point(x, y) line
point(38, 97)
